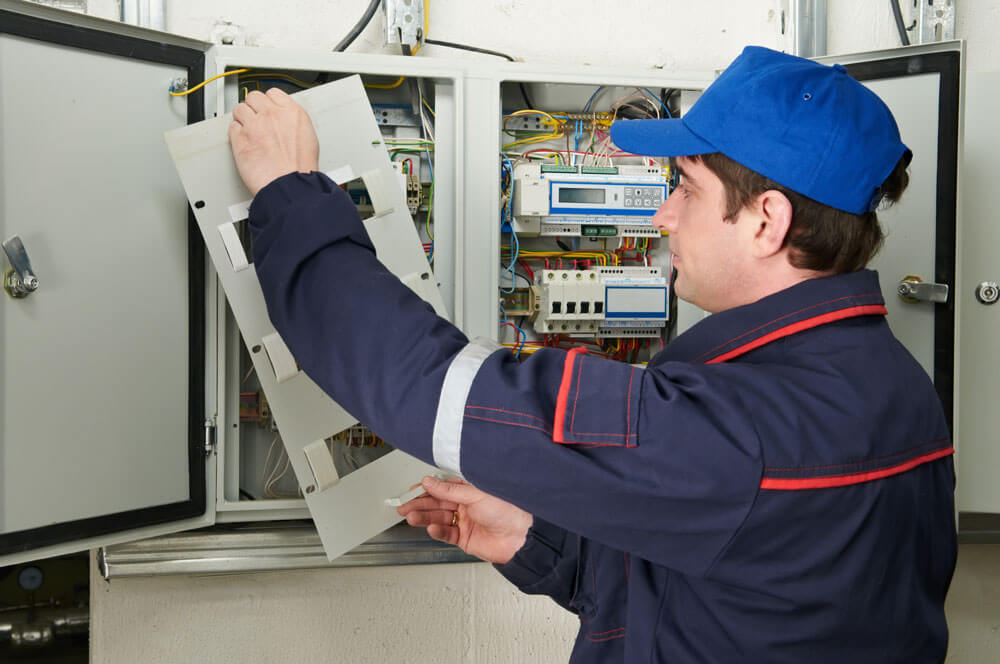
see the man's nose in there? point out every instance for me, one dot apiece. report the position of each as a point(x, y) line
point(665, 218)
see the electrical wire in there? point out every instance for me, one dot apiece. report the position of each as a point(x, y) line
point(358, 27)
point(466, 47)
point(286, 78)
point(388, 86)
point(205, 82)
point(484, 51)
point(427, 222)
point(897, 16)
point(423, 35)
point(521, 337)
point(654, 97)
point(591, 100)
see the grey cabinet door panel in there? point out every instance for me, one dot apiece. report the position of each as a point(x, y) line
point(101, 368)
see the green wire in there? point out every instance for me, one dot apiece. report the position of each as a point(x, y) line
point(430, 207)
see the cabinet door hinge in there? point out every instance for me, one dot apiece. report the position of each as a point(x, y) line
point(209, 437)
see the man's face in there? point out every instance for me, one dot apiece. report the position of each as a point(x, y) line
point(710, 254)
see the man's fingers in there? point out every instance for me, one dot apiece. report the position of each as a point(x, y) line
point(279, 96)
point(456, 492)
point(258, 101)
point(242, 113)
point(430, 518)
point(444, 534)
point(425, 503)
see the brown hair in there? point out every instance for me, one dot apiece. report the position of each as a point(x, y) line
point(820, 237)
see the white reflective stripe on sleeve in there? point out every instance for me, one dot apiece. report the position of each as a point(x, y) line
point(451, 403)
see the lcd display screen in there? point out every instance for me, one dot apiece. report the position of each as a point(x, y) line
point(592, 196)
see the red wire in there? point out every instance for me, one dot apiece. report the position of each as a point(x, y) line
point(517, 333)
point(527, 269)
point(610, 154)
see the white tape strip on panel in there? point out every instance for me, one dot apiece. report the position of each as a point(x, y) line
point(321, 465)
point(342, 174)
point(230, 238)
point(282, 362)
point(240, 211)
point(378, 192)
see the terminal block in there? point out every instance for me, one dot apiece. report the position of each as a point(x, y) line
point(414, 191)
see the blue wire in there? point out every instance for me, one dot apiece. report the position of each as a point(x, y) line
point(659, 100)
point(591, 100)
point(506, 218)
point(430, 167)
point(513, 262)
point(522, 335)
point(524, 340)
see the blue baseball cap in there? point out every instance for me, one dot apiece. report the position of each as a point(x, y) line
point(808, 127)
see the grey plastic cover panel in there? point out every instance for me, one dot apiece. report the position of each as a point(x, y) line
point(911, 225)
point(351, 510)
point(94, 365)
point(979, 324)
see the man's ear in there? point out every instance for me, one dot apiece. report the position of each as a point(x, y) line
point(773, 218)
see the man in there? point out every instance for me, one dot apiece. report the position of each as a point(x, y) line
point(776, 485)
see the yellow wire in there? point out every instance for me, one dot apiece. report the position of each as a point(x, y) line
point(206, 82)
point(426, 18)
point(529, 111)
point(285, 77)
point(427, 106)
point(534, 139)
point(388, 86)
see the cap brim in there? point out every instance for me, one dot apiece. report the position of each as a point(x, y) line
point(658, 138)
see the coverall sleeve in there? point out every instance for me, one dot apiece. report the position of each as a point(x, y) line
point(547, 563)
point(663, 463)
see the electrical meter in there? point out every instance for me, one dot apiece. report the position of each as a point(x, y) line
point(587, 201)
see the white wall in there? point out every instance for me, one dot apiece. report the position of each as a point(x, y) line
point(467, 613)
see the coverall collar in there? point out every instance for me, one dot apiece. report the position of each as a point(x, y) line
point(803, 306)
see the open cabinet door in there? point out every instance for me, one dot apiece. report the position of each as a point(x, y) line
point(350, 510)
point(102, 319)
point(922, 85)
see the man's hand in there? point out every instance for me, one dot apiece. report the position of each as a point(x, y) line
point(271, 136)
point(485, 526)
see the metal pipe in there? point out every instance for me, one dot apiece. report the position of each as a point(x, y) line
point(145, 13)
point(809, 19)
point(22, 630)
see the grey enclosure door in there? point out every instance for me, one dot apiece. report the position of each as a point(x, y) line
point(922, 87)
point(102, 389)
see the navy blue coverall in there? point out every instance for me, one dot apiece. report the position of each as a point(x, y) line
point(776, 486)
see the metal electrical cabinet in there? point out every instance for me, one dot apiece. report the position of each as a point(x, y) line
point(122, 371)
